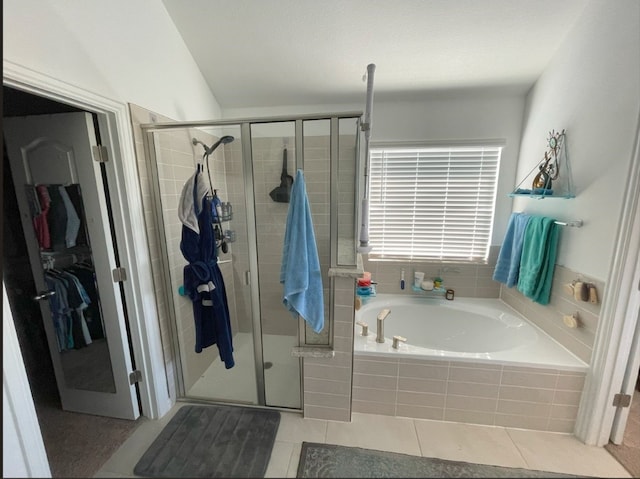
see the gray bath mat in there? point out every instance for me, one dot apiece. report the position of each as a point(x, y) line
point(328, 460)
point(212, 441)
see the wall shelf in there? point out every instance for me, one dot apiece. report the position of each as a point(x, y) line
point(551, 177)
point(434, 292)
point(539, 196)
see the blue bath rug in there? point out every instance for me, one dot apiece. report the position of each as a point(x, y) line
point(329, 460)
point(212, 441)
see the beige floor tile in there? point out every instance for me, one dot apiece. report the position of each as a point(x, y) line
point(371, 431)
point(546, 451)
point(462, 442)
point(294, 428)
point(280, 459)
point(468, 443)
point(295, 460)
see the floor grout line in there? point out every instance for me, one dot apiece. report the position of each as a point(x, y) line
point(517, 448)
point(415, 428)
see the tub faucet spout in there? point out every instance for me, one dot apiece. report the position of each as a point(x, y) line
point(380, 328)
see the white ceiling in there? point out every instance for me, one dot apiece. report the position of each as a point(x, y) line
point(261, 53)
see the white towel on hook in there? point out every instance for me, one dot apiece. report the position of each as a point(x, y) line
point(187, 209)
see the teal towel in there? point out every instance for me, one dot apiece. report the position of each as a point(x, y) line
point(539, 250)
point(300, 270)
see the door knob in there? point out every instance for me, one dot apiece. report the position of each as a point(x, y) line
point(43, 295)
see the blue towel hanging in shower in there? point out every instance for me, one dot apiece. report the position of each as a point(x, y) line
point(300, 270)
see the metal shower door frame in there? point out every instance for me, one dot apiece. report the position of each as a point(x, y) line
point(148, 130)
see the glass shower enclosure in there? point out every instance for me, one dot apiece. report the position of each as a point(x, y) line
point(247, 175)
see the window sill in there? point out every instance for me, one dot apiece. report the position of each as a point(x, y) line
point(429, 261)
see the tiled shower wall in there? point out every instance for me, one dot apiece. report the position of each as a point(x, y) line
point(176, 157)
point(234, 170)
point(271, 220)
point(271, 217)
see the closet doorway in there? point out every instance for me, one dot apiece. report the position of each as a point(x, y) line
point(70, 367)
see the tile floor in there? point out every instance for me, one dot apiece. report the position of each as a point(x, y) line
point(500, 446)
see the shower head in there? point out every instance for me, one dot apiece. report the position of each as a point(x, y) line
point(224, 140)
point(207, 150)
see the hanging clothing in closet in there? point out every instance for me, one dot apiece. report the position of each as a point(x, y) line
point(39, 203)
point(68, 308)
point(57, 216)
point(57, 219)
point(87, 277)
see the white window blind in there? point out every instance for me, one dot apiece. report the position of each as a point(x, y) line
point(432, 203)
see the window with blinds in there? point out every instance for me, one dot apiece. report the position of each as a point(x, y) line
point(432, 203)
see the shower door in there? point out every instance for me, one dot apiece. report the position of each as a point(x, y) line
point(172, 157)
point(273, 162)
point(264, 373)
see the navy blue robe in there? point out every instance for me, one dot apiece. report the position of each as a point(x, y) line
point(204, 285)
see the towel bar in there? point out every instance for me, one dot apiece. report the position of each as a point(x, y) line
point(576, 223)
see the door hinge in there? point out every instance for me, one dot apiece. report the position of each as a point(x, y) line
point(100, 153)
point(135, 377)
point(119, 275)
point(621, 400)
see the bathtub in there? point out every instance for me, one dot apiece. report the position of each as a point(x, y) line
point(466, 329)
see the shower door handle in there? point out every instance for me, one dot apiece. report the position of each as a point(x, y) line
point(43, 295)
point(247, 278)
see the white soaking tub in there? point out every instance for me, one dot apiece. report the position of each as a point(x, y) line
point(471, 329)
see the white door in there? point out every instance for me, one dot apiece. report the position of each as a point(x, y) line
point(51, 159)
point(633, 364)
